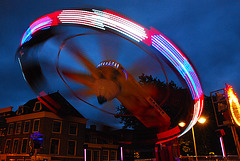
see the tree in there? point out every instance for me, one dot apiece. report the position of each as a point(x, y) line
point(172, 99)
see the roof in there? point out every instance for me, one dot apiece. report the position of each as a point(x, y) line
point(54, 102)
point(6, 109)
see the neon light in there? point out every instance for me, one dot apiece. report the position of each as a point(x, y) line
point(222, 147)
point(85, 154)
point(121, 148)
point(165, 134)
point(198, 107)
point(36, 26)
point(109, 63)
point(46, 104)
point(21, 69)
point(110, 20)
point(234, 104)
point(180, 62)
point(103, 20)
point(125, 72)
point(50, 100)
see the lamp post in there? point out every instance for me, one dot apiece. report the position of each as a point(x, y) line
point(200, 120)
point(194, 143)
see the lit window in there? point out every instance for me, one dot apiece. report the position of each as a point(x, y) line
point(57, 126)
point(15, 145)
point(10, 128)
point(72, 147)
point(54, 146)
point(73, 129)
point(113, 155)
point(24, 146)
point(18, 128)
point(7, 146)
point(26, 127)
point(36, 125)
point(37, 107)
point(105, 155)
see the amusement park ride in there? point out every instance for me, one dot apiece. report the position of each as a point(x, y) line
point(227, 113)
point(109, 79)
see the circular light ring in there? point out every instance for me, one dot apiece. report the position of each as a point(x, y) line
point(234, 105)
point(107, 20)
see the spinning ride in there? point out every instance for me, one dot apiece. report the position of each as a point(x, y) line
point(109, 79)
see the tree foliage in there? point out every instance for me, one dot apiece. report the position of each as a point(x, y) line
point(175, 106)
point(172, 99)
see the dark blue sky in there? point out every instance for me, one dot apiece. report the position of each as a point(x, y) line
point(208, 32)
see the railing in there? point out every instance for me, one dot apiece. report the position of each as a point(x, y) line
point(209, 158)
point(200, 158)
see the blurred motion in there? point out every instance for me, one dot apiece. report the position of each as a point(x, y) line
point(119, 52)
point(110, 80)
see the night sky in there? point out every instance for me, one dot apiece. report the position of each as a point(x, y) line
point(207, 31)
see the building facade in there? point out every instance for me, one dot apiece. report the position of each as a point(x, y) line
point(63, 138)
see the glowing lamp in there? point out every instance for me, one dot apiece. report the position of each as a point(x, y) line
point(181, 124)
point(202, 120)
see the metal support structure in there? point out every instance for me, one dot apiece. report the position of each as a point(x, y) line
point(236, 140)
point(194, 142)
point(230, 121)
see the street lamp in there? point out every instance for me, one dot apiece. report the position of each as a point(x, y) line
point(201, 120)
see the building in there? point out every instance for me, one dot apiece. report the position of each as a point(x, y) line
point(64, 138)
point(101, 144)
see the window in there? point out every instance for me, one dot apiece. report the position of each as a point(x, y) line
point(73, 129)
point(10, 128)
point(20, 110)
point(113, 155)
point(24, 145)
point(57, 126)
point(93, 139)
point(2, 132)
point(54, 146)
point(71, 147)
point(96, 155)
point(7, 146)
point(26, 127)
point(18, 128)
point(37, 107)
point(15, 145)
point(36, 125)
point(105, 155)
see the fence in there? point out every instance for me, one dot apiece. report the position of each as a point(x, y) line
point(200, 158)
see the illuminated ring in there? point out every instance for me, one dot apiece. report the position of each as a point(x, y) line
point(234, 105)
point(147, 39)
